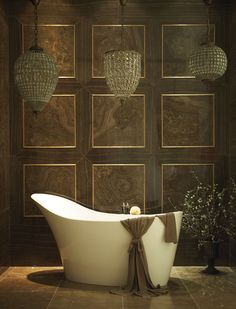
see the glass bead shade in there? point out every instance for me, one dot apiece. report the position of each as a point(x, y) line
point(208, 62)
point(36, 77)
point(122, 71)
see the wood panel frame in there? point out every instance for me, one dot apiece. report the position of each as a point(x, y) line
point(45, 165)
point(51, 146)
point(120, 164)
point(55, 25)
point(182, 164)
point(188, 95)
point(162, 47)
point(144, 123)
point(143, 76)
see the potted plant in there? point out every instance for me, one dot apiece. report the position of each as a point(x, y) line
point(210, 217)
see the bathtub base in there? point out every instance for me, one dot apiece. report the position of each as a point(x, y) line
point(98, 277)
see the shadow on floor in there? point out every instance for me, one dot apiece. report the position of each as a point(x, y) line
point(57, 278)
point(47, 277)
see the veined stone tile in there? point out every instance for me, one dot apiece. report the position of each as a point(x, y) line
point(46, 287)
point(85, 300)
point(17, 300)
point(209, 291)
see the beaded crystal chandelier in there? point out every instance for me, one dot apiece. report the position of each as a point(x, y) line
point(36, 73)
point(209, 61)
point(122, 68)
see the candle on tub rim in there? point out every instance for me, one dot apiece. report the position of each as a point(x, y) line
point(135, 210)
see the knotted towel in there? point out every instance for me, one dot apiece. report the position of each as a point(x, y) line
point(139, 282)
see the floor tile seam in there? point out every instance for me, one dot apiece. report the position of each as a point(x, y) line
point(54, 294)
point(188, 291)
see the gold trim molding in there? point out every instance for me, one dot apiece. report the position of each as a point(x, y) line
point(45, 165)
point(49, 146)
point(117, 25)
point(188, 95)
point(162, 46)
point(182, 164)
point(54, 25)
point(121, 164)
point(144, 122)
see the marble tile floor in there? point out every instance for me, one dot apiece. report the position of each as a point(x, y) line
point(46, 288)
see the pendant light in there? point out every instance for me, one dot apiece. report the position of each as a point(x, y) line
point(209, 61)
point(122, 67)
point(35, 71)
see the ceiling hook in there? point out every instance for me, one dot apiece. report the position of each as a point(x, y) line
point(123, 2)
point(207, 2)
point(35, 2)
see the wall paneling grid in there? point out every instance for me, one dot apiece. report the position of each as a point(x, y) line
point(87, 144)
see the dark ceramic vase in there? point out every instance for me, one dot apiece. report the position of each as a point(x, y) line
point(211, 252)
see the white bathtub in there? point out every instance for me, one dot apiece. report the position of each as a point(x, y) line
point(94, 245)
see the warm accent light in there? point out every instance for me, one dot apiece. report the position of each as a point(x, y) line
point(209, 61)
point(122, 67)
point(122, 71)
point(36, 73)
point(36, 77)
point(135, 210)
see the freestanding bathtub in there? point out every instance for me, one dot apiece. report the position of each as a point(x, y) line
point(94, 245)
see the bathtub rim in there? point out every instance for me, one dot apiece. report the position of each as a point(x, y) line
point(92, 211)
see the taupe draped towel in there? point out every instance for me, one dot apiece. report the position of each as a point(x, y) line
point(139, 282)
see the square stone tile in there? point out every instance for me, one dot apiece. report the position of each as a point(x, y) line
point(31, 279)
point(83, 299)
point(27, 300)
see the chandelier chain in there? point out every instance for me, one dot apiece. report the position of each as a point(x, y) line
point(36, 24)
point(208, 23)
point(122, 28)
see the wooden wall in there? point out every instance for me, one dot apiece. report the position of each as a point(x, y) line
point(232, 109)
point(88, 145)
point(4, 139)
